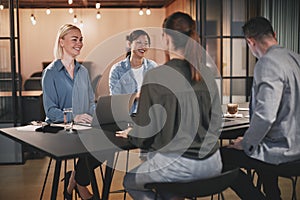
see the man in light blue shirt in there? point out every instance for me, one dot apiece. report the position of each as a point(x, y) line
point(273, 137)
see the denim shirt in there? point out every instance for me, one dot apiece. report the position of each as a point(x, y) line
point(59, 91)
point(274, 132)
point(122, 80)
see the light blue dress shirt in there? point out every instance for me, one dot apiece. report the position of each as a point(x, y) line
point(61, 91)
point(122, 80)
point(274, 132)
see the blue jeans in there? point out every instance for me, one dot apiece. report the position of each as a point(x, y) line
point(168, 168)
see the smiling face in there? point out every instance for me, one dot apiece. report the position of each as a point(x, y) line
point(71, 43)
point(140, 46)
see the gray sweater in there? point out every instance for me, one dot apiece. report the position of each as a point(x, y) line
point(176, 114)
point(274, 132)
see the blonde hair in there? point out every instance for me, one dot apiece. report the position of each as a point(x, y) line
point(63, 30)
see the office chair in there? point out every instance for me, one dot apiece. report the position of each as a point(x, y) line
point(197, 188)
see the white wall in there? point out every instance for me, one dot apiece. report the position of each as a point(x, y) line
point(37, 41)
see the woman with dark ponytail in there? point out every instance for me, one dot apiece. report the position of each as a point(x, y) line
point(179, 115)
point(126, 76)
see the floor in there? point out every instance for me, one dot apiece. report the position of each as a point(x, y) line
point(24, 182)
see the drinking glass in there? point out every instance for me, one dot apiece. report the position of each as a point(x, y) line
point(68, 123)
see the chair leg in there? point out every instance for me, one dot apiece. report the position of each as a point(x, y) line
point(74, 163)
point(294, 184)
point(126, 170)
point(45, 180)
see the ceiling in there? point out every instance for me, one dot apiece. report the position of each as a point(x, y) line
point(91, 3)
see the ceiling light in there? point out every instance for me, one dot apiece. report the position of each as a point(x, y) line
point(71, 10)
point(1, 5)
point(48, 11)
point(98, 5)
point(81, 24)
point(148, 11)
point(32, 19)
point(141, 12)
point(70, 2)
point(98, 15)
point(75, 20)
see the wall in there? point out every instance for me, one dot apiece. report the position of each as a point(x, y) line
point(37, 41)
point(185, 6)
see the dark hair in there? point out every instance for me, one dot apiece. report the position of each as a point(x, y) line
point(133, 36)
point(257, 28)
point(182, 29)
point(177, 24)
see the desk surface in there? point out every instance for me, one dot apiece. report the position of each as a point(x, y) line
point(234, 127)
point(63, 145)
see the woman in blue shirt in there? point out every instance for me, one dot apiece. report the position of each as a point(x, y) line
point(66, 84)
point(126, 76)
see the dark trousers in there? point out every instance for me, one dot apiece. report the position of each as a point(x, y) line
point(244, 186)
point(81, 170)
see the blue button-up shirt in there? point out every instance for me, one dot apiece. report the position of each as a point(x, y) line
point(122, 80)
point(61, 91)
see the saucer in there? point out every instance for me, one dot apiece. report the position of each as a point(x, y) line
point(236, 115)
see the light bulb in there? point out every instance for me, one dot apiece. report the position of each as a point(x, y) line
point(32, 18)
point(81, 24)
point(70, 2)
point(71, 10)
point(48, 11)
point(98, 5)
point(148, 11)
point(141, 12)
point(75, 20)
point(98, 15)
point(1, 7)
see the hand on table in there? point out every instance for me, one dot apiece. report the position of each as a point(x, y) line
point(83, 118)
point(236, 144)
point(124, 133)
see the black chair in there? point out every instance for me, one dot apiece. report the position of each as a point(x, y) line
point(33, 83)
point(37, 74)
point(197, 188)
point(290, 170)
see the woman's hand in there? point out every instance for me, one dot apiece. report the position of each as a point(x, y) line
point(124, 133)
point(83, 118)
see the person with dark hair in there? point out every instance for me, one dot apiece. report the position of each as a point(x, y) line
point(179, 115)
point(273, 135)
point(126, 76)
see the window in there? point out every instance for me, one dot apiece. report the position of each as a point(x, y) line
point(220, 24)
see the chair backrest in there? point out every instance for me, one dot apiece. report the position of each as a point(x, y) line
point(197, 188)
point(288, 169)
point(33, 83)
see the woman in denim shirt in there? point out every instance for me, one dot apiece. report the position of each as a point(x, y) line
point(66, 84)
point(126, 76)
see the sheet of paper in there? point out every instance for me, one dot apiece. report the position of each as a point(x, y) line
point(28, 128)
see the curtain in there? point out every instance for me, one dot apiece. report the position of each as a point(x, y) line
point(284, 16)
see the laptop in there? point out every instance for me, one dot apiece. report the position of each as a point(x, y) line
point(113, 109)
